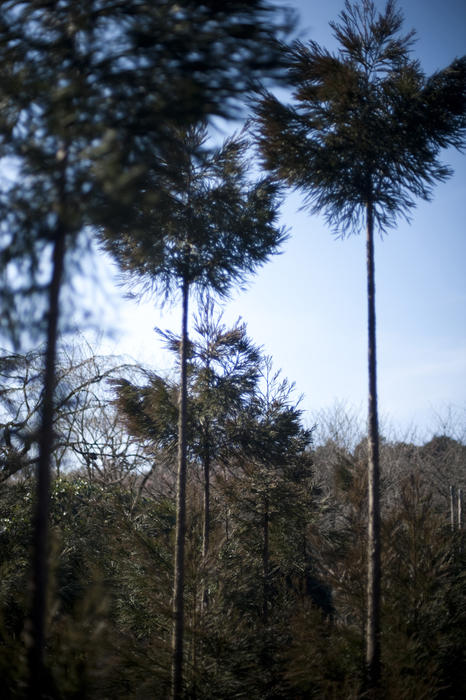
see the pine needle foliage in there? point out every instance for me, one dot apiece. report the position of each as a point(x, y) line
point(206, 225)
point(365, 122)
point(89, 93)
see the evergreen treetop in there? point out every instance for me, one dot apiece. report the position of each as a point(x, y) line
point(366, 124)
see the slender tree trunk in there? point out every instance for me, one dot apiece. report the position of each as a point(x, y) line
point(373, 663)
point(180, 535)
point(37, 671)
point(460, 509)
point(227, 524)
point(265, 561)
point(452, 508)
point(206, 523)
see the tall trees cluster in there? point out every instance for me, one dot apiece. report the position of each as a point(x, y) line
point(92, 99)
point(104, 133)
point(276, 605)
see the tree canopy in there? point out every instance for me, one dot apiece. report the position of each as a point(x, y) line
point(365, 123)
point(90, 95)
point(208, 225)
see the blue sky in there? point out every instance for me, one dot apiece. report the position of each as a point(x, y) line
point(307, 307)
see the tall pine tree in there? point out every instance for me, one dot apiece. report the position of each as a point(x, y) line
point(207, 228)
point(362, 141)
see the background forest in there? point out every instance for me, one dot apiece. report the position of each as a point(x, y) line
point(186, 534)
point(275, 608)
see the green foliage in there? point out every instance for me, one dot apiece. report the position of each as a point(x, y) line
point(424, 596)
point(366, 124)
point(150, 411)
point(90, 95)
point(206, 226)
point(108, 631)
point(323, 657)
point(108, 572)
point(423, 590)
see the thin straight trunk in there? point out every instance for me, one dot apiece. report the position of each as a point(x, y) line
point(37, 674)
point(452, 508)
point(460, 509)
point(206, 524)
point(265, 562)
point(227, 524)
point(180, 535)
point(373, 664)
